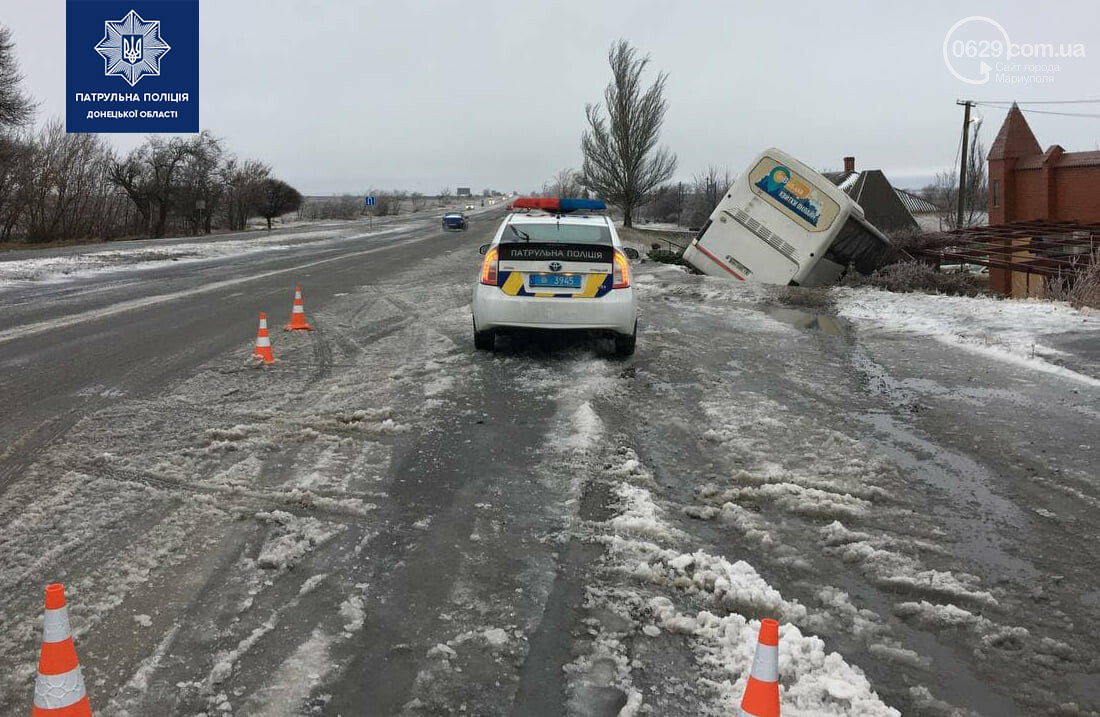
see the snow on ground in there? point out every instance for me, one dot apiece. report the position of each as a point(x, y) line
point(803, 455)
point(296, 678)
point(96, 258)
point(265, 478)
point(1010, 330)
point(660, 226)
point(684, 598)
point(226, 493)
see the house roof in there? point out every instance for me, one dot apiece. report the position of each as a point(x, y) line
point(1057, 157)
point(1079, 159)
point(881, 203)
point(843, 180)
point(916, 204)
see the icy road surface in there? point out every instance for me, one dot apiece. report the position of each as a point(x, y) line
point(388, 523)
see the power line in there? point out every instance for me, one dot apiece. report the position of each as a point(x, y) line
point(1042, 112)
point(1063, 114)
point(1038, 102)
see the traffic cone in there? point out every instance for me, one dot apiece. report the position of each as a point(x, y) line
point(262, 352)
point(762, 693)
point(59, 689)
point(298, 314)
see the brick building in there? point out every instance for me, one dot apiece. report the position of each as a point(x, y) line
point(1027, 184)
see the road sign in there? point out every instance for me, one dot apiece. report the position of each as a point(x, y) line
point(370, 201)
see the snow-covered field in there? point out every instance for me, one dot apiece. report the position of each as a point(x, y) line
point(387, 520)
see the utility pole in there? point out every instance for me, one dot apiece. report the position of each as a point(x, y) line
point(679, 203)
point(962, 161)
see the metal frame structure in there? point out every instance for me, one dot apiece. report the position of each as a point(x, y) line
point(1046, 248)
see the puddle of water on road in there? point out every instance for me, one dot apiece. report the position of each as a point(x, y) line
point(807, 321)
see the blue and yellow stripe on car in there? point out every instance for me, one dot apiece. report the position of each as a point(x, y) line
point(595, 286)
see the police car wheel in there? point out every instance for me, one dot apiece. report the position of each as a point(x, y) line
point(484, 340)
point(625, 345)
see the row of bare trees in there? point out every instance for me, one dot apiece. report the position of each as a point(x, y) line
point(60, 186)
point(685, 203)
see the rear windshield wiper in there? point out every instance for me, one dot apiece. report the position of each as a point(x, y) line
point(518, 233)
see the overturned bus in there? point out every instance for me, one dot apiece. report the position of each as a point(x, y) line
point(783, 223)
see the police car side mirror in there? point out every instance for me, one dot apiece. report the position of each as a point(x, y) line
point(484, 248)
point(631, 253)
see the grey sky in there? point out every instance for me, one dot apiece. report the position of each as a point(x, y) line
point(339, 96)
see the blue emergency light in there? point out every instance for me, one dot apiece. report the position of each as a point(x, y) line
point(582, 205)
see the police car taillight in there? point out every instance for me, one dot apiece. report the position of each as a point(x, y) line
point(620, 275)
point(489, 267)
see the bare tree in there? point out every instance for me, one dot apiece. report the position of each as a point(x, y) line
point(566, 183)
point(397, 199)
point(149, 176)
point(344, 206)
point(16, 108)
point(944, 190)
point(276, 199)
point(243, 183)
point(664, 203)
point(707, 189)
point(15, 173)
point(418, 201)
point(201, 188)
point(444, 196)
point(622, 162)
point(64, 182)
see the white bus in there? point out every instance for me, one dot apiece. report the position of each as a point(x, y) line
point(783, 223)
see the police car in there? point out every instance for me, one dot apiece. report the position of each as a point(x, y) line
point(556, 265)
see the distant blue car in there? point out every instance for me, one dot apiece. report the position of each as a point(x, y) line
point(455, 220)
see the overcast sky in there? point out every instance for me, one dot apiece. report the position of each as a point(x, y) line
point(344, 95)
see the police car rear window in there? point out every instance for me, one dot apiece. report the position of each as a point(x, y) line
point(559, 233)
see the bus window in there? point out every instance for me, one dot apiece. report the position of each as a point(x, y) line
point(856, 245)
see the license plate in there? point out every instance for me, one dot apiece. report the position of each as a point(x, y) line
point(555, 281)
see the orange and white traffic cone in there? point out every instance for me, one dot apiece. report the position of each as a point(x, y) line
point(262, 352)
point(762, 693)
point(59, 689)
point(298, 314)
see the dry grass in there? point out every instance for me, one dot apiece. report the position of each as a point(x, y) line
point(909, 276)
point(1082, 290)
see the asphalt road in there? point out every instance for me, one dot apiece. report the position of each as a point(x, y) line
point(136, 331)
point(387, 522)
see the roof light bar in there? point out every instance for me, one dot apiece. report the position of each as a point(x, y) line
point(560, 205)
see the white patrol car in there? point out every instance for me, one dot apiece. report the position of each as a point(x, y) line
point(558, 268)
